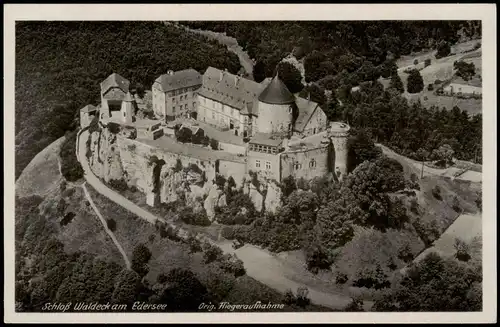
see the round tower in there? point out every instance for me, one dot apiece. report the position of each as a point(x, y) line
point(339, 133)
point(275, 108)
point(128, 108)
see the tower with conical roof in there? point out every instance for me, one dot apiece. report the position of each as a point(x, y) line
point(275, 108)
point(127, 109)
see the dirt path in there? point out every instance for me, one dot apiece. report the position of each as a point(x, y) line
point(110, 233)
point(472, 176)
point(259, 264)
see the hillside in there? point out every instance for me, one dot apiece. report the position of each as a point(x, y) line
point(59, 64)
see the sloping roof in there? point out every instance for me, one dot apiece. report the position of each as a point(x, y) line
point(306, 110)
point(250, 109)
point(88, 108)
point(177, 80)
point(276, 92)
point(115, 80)
point(128, 97)
point(266, 139)
point(229, 89)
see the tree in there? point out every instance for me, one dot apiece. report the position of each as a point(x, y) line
point(214, 144)
point(396, 83)
point(359, 149)
point(356, 305)
point(127, 287)
point(259, 71)
point(435, 284)
point(415, 62)
point(184, 292)
point(462, 250)
point(443, 154)
point(140, 258)
point(423, 156)
point(427, 62)
point(291, 76)
point(443, 49)
point(184, 135)
point(415, 82)
point(314, 92)
point(464, 70)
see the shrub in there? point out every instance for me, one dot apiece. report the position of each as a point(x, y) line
point(184, 135)
point(289, 297)
point(462, 250)
point(456, 204)
point(230, 182)
point(391, 264)
point(231, 264)
point(415, 62)
point(220, 181)
point(194, 244)
point(371, 278)
point(228, 233)
point(427, 62)
point(70, 167)
point(214, 144)
point(162, 278)
point(194, 168)
point(178, 165)
point(405, 254)
point(341, 278)
point(436, 192)
point(415, 82)
point(477, 45)
point(438, 81)
point(118, 184)
point(187, 215)
point(302, 299)
point(430, 87)
point(479, 201)
point(414, 207)
point(114, 128)
point(211, 253)
point(111, 223)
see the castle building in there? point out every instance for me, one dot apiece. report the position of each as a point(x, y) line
point(174, 94)
point(128, 109)
point(228, 102)
point(113, 90)
point(87, 113)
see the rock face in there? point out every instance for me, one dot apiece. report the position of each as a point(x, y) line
point(211, 201)
point(256, 197)
point(273, 197)
point(171, 184)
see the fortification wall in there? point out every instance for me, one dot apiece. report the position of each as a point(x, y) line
point(307, 163)
point(339, 141)
point(265, 164)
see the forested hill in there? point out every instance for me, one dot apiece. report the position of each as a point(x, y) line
point(328, 47)
point(59, 66)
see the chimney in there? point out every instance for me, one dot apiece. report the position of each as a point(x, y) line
point(309, 96)
point(236, 80)
point(221, 76)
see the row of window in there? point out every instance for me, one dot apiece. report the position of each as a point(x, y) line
point(182, 91)
point(298, 165)
point(223, 109)
point(263, 148)
point(268, 164)
point(183, 107)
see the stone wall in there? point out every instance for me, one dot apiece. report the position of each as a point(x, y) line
point(307, 163)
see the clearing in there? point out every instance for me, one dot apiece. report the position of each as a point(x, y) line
point(41, 176)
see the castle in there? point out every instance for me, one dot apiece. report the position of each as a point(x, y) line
point(260, 127)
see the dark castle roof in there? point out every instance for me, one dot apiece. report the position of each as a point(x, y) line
point(276, 93)
point(177, 80)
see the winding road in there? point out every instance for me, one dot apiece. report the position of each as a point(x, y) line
point(259, 264)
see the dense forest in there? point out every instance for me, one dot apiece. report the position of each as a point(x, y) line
point(328, 47)
point(59, 66)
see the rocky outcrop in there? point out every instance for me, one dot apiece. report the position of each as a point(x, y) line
point(273, 197)
point(256, 197)
point(171, 184)
point(211, 201)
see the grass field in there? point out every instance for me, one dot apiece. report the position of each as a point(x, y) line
point(42, 174)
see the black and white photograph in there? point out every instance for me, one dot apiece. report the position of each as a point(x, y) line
point(250, 161)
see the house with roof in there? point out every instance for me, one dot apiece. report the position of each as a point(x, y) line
point(174, 94)
point(113, 91)
point(87, 113)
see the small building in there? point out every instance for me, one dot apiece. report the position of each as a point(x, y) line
point(462, 89)
point(262, 154)
point(113, 92)
point(311, 119)
point(174, 94)
point(87, 113)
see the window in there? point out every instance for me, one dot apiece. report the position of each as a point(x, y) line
point(213, 115)
point(257, 163)
point(312, 164)
point(297, 166)
point(268, 165)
